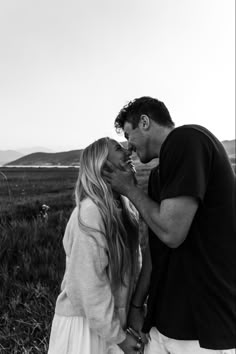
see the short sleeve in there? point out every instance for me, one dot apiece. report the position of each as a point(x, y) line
point(185, 162)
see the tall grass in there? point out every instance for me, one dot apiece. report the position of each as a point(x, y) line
point(31, 254)
point(32, 258)
point(32, 264)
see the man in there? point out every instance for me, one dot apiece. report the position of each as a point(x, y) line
point(190, 212)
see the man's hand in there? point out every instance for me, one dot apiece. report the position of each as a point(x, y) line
point(121, 179)
point(130, 345)
point(135, 320)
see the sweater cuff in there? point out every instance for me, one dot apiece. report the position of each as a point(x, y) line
point(119, 338)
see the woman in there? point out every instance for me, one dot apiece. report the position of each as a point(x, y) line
point(102, 262)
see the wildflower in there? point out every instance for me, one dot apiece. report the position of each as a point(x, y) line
point(43, 212)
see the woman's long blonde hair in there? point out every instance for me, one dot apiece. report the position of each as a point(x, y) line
point(91, 184)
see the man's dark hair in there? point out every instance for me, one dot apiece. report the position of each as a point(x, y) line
point(153, 108)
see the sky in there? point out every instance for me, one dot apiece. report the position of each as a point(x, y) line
point(68, 67)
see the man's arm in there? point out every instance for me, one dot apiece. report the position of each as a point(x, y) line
point(142, 287)
point(137, 311)
point(170, 220)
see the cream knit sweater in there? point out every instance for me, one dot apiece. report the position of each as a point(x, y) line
point(85, 289)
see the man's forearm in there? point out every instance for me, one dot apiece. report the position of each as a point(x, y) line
point(143, 283)
point(170, 220)
point(137, 310)
point(150, 212)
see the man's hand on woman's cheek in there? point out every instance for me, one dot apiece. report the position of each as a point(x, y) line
point(120, 179)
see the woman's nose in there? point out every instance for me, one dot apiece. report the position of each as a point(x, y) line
point(130, 148)
point(128, 152)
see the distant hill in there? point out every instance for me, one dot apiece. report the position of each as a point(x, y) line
point(33, 149)
point(8, 156)
point(66, 158)
point(72, 158)
point(229, 147)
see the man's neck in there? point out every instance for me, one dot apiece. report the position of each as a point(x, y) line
point(159, 135)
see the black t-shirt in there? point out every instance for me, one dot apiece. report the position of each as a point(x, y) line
point(193, 287)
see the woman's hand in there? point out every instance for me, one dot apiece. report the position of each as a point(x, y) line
point(131, 346)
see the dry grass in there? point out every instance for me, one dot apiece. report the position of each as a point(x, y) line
point(31, 253)
point(32, 264)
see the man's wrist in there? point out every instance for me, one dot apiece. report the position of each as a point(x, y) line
point(132, 192)
point(136, 306)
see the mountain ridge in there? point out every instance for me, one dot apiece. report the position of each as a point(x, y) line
point(9, 155)
point(33, 149)
point(72, 157)
point(229, 146)
point(64, 158)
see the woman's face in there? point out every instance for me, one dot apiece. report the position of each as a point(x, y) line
point(117, 153)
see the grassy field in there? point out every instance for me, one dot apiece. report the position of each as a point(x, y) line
point(32, 258)
point(31, 253)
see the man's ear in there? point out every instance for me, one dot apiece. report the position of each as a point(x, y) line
point(144, 122)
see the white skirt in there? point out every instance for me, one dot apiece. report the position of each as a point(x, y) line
point(72, 335)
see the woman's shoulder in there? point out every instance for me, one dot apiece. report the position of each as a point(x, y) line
point(89, 215)
point(87, 210)
point(88, 207)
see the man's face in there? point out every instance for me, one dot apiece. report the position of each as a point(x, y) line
point(137, 141)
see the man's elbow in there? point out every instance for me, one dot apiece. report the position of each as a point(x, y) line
point(174, 239)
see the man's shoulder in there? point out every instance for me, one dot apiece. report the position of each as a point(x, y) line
point(190, 129)
point(189, 135)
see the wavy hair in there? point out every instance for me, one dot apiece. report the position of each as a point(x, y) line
point(91, 184)
point(155, 109)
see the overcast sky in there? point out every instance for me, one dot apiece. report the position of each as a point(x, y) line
point(67, 67)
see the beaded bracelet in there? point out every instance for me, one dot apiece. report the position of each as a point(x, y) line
point(134, 334)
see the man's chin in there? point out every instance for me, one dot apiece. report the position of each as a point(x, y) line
point(144, 159)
